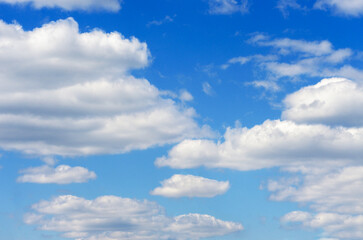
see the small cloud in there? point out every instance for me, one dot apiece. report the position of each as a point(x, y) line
point(225, 7)
point(207, 69)
point(190, 186)
point(284, 5)
point(49, 161)
point(267, 85)
point(167, 19)
point(62, 174)
point(185, 96)
point(207, 89)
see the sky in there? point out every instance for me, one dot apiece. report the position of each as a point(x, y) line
point(181, 120)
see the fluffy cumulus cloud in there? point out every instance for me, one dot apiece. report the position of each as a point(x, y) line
point(228, 6)
point(318, 144)
point(274, 143)
point(69, 5)
point(293, 59)
point(70, 93)
point(190, 186)
point(334, 101)
point(62, 174)
point(344, 7)
point(115, 218)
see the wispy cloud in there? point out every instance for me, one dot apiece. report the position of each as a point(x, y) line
point(84, 5)
point(225, 7)
point(167, 19)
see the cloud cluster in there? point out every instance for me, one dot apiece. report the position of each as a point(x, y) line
point(62, 174)
point(113, 218)
point(319, 142)
point(84, 5)
point(70, 93)
point(190, 186)
point(225, 7)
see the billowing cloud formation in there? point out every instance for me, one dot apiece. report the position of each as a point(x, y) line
point(345, 7)
point(317, 143)
point(62, 174)
point(115, 218)
point(190, 186)
point(272, 144)
point(85, 5)
point(56, 55)
point(228, 6)
point(334, 101)
point(69, 93)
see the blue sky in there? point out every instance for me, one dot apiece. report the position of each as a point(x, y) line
point(204, 119)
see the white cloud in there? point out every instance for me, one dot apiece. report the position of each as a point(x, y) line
point(345, 7)
point(303, 138)
point(338, 190)
point(284, 5)
point(113, 218)
point(338, 226)
point(69, 93)
point(288, 46)
point(207, 89)
point(271, 144)
point(334, 101)
point(190, 186)
point(167, 19)
point(62, 174)
point(185, 96)
point(69, 5)
point(292, 59)
point(228, 6)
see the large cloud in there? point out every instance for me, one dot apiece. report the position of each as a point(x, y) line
point(115, 218)
point(190, 186)
point(69, 5)
point(271, 144)
point(69, 93)
point(301, 139)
